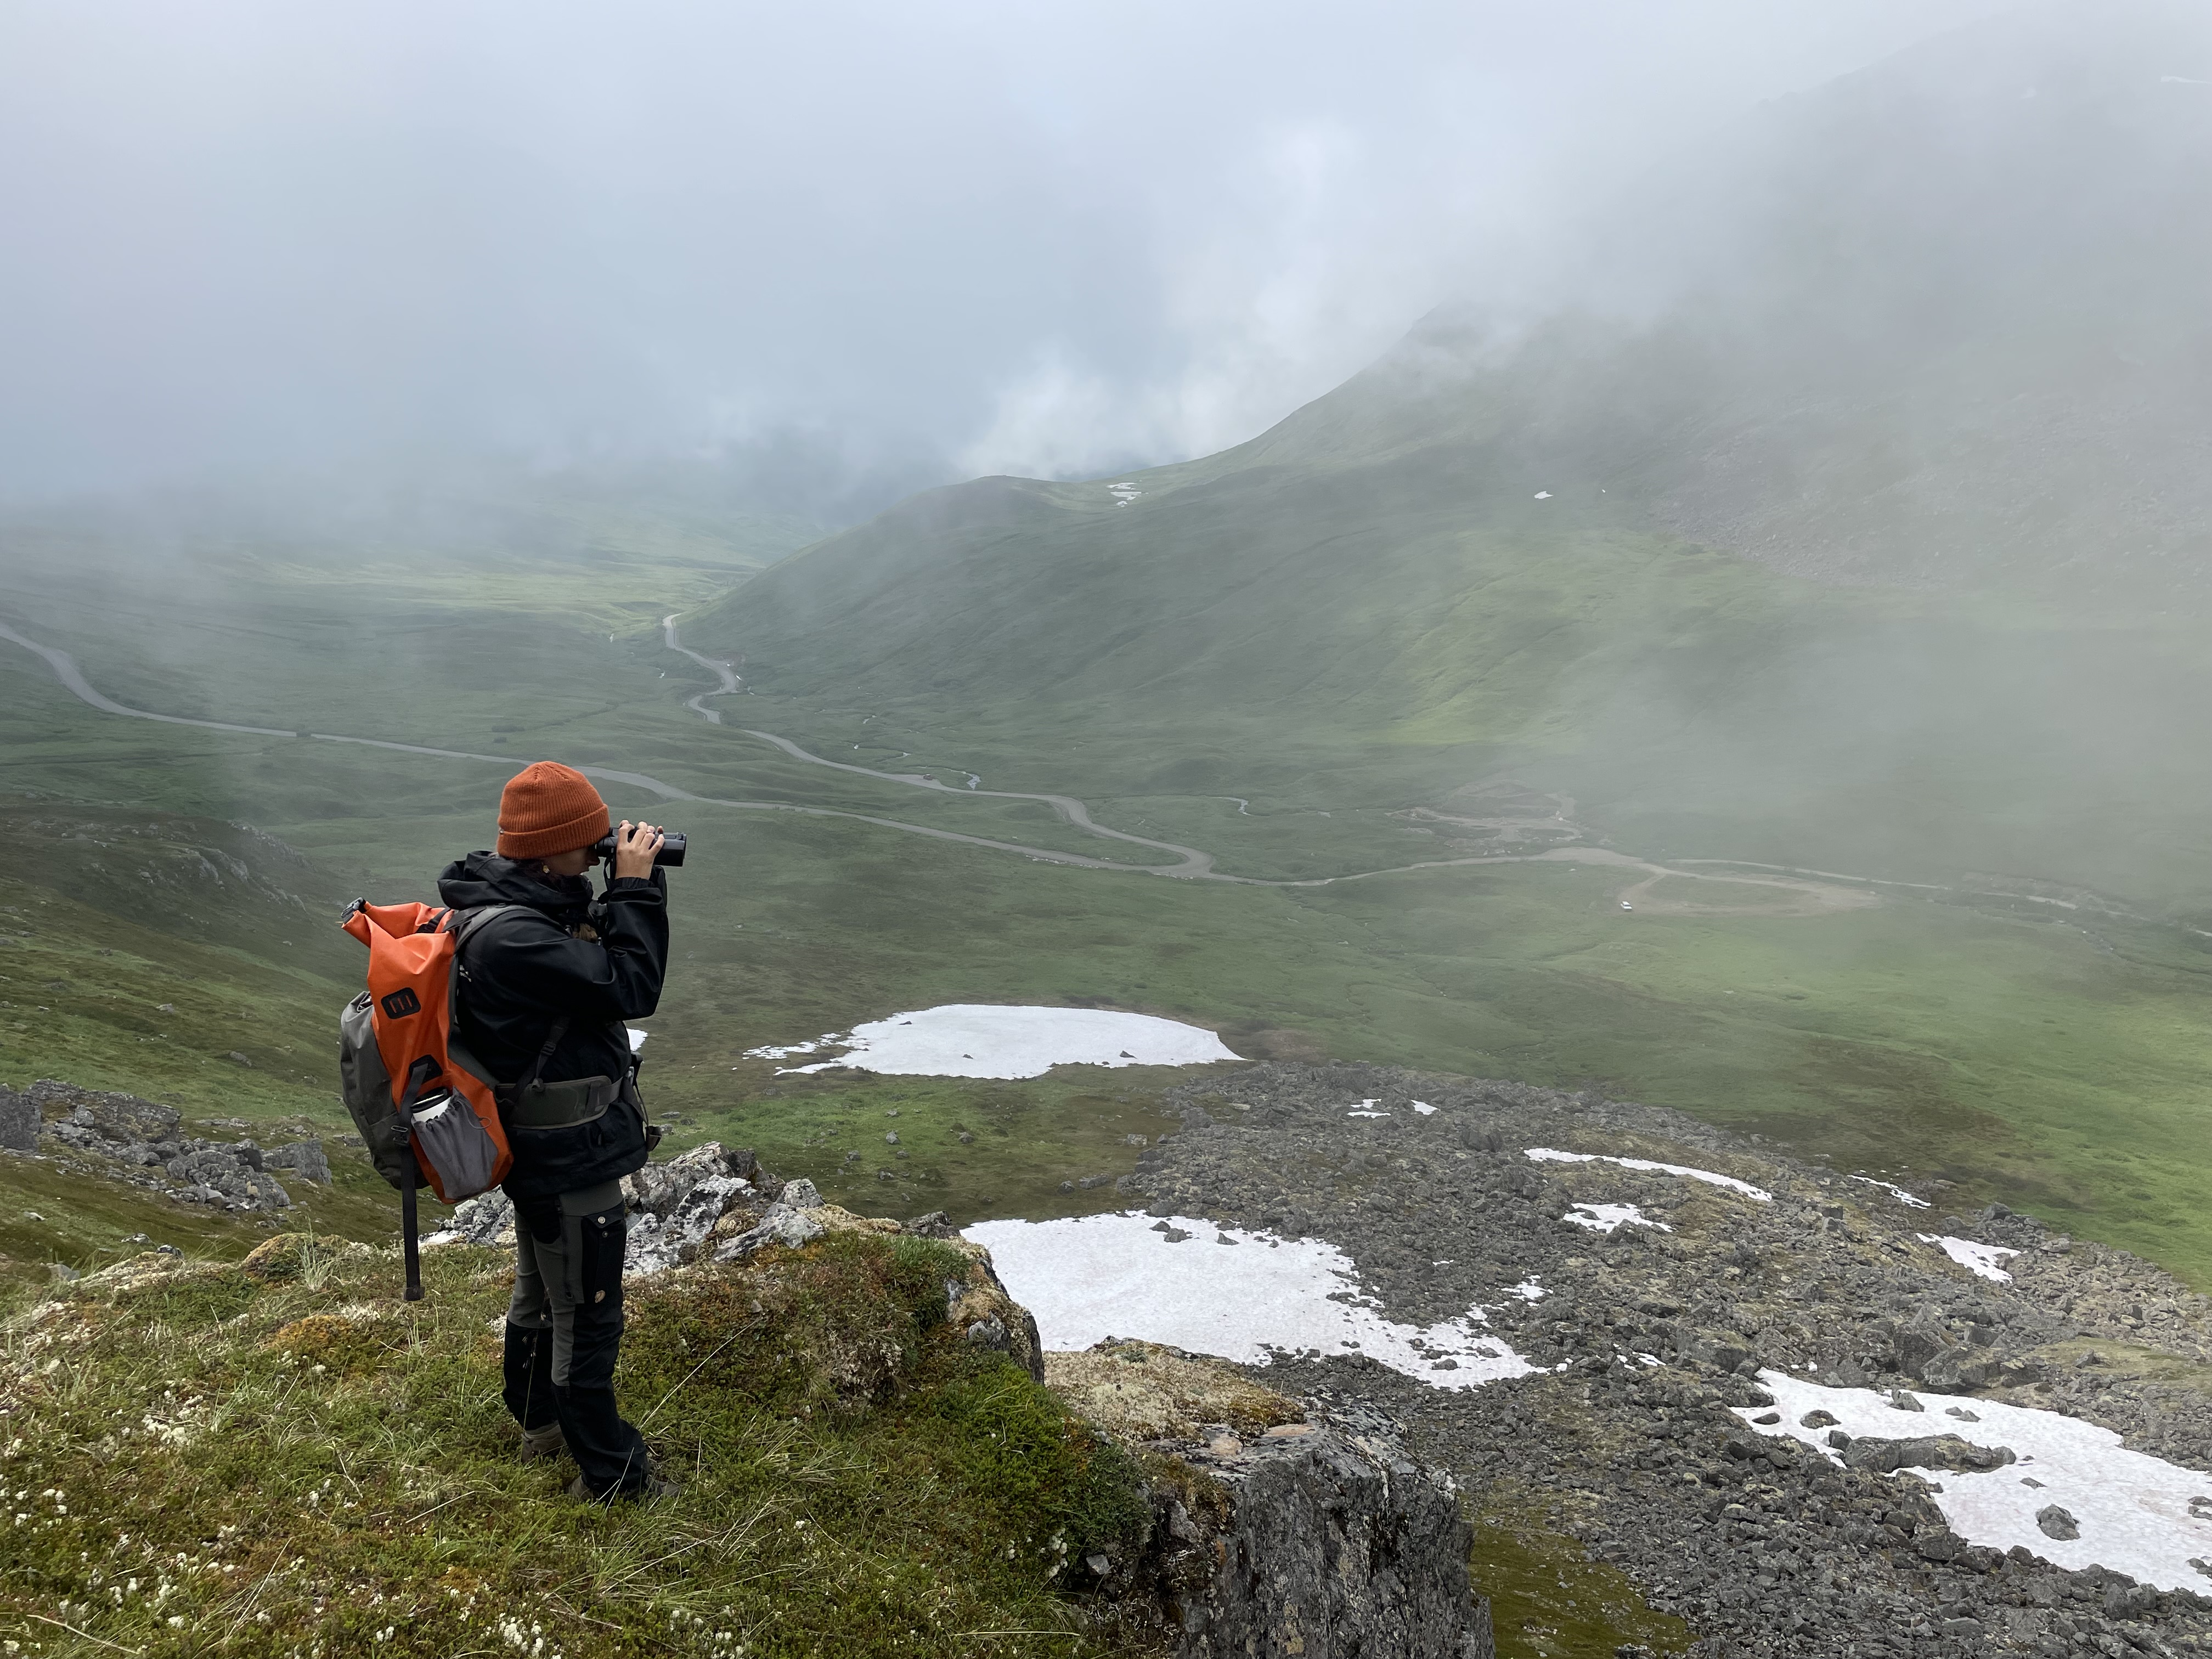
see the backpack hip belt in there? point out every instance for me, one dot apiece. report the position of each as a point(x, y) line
point(559, 1105)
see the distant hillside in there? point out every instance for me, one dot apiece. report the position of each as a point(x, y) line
point(1930, 351)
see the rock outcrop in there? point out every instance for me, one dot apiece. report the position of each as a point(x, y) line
point(141, 1141)
point(1280, 1528)
point(1334, 1544)
point(715, 1204)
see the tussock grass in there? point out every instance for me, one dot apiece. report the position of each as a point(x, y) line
point(283, 1458)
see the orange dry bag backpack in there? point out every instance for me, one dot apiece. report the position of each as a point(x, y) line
point(420, 1100)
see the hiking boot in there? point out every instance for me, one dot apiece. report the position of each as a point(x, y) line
point(650, 1491)
point(547, 1441)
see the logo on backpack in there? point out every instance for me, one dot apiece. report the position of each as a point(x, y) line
point(400, 1004)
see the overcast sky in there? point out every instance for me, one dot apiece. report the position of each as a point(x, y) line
point(1037, 238)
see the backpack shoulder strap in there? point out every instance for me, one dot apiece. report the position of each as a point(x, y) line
point(464, 923)
point(465, 926)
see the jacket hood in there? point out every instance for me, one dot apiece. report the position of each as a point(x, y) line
point(483, 878)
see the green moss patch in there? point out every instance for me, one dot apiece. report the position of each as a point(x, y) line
point(1550, 1600)
point(292, 1461)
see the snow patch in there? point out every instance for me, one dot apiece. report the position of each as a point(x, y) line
point(1908, 1199)
point(1088, 1277)
point(636, 1038)
point(785, 1050)
point(1604, 1218)
point(1979, 1258)
point(1551, 1155)
point(967, 1039)
point(2135, 1511)
point(1365, 1109)
point(1425, 1109)
point(1529, 1291)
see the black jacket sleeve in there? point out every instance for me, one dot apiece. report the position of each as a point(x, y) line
point(617, 976)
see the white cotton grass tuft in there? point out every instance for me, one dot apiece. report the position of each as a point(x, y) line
point(1087, 1278)
point(2137, 1514)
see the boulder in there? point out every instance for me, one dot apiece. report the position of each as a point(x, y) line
point(305, 1158)
point(1931, 1451)
point(19, 1121)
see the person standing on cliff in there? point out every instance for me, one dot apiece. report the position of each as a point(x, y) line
point(544, 990)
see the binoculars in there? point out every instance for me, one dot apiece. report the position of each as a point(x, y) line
point(670, 853)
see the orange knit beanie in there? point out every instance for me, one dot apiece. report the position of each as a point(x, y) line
point(549, 808)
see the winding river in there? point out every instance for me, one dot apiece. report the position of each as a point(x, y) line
point(1190, 863)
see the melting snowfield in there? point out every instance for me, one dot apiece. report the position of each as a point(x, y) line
point(1244, 1295)
point(969, 1039)
point(2138, 1514)
point(1980, 1260)
point(1551, 1155)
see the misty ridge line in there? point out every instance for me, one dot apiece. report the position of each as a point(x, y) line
point(1196, 865)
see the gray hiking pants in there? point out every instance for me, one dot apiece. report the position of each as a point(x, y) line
point(575, 1278)
point(564, 1330)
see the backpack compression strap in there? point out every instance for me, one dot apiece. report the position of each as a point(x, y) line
point(418, 1077)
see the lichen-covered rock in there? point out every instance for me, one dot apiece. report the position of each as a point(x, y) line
point(1140, 1392)
point(658, 1188)
point(675, 1207)
point(780, 1225)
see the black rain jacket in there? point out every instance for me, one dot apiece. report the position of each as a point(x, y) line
point(598, 962)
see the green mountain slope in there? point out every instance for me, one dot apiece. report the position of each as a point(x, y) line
point(1891, 562)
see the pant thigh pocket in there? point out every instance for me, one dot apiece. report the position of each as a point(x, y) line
point(603, 1235)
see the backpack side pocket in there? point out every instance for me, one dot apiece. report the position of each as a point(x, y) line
point(454, 1146)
